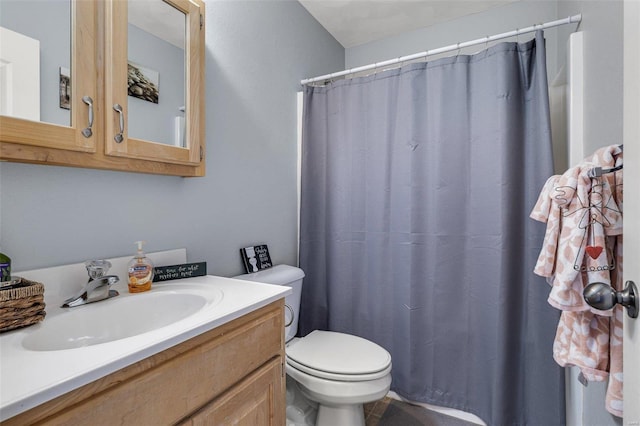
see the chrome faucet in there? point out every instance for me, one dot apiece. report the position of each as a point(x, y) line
point(98, 286)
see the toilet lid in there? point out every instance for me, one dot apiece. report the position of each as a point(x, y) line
point(339, 354)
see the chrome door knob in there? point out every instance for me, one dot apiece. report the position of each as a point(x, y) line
point(602, 296)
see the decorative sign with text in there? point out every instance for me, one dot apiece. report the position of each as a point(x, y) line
point(255, 258)
point(175, 272)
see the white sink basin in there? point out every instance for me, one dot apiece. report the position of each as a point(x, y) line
point(117, 318)
point(75, 346)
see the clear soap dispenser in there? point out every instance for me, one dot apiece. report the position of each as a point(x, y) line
point(140, 271)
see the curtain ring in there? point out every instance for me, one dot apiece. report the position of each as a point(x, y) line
point(517, 35)
point(458, 52)
point(486, 42)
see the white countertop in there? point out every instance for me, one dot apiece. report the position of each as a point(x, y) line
point(29, 378)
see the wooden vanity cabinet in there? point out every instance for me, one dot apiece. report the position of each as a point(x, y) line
point(231, 375)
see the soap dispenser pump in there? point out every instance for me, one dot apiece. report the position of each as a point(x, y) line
point(140, 271)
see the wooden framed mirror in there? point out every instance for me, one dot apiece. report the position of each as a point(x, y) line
point(153, 98)
point(59, 113)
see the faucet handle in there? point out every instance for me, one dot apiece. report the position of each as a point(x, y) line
point(94, 291)
point(97, 268)
point(105, 280)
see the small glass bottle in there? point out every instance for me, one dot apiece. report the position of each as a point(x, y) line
point(140, 271)
point(5, 267)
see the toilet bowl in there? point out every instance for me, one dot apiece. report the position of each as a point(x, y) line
point(339, 372)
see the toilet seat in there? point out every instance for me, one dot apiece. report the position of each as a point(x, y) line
point(338, 356)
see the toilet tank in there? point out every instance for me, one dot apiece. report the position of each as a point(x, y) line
point(289, 276)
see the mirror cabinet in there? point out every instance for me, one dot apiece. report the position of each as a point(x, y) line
point(133, 89)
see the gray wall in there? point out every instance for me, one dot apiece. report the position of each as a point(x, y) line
point(602, 25)
point(493, 21)
point(257, 52)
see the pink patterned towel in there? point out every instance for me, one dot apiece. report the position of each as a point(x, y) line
point(582, 245)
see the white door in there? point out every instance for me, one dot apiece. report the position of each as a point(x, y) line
point(19, 75)
point(631, 205)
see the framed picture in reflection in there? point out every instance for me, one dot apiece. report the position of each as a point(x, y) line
point(143, 83)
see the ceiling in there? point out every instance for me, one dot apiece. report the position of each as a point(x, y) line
point(160, 19)
point(355, 22)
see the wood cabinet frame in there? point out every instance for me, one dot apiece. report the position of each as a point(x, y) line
point(96, 59)
point(115, 15)
point(84, 81)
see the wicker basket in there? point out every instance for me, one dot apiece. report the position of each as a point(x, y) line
point(22, 305)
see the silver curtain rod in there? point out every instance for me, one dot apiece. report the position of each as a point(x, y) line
point(457, 46)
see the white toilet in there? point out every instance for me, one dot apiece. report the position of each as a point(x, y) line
point(338, 371)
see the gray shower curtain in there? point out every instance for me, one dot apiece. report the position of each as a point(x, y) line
point(417, 184)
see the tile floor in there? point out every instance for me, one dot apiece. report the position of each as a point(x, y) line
point(391, 412)
point(373, 411)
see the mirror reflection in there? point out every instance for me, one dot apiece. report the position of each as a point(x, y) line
point(156, 72)
point(35, 60)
